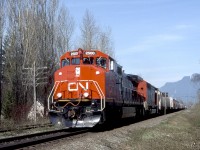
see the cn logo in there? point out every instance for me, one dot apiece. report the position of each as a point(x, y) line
point(74, 86)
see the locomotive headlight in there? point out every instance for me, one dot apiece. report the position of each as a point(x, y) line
point(85, 94)
point(97, 72)
point(59, 95)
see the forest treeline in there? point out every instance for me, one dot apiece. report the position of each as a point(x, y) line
point(39, 32)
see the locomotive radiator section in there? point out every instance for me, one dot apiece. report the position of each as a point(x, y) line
point(80, 112)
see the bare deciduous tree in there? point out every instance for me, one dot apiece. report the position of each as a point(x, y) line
point(66, 29)
point(105, 43)
point(89, 31)
point(92, 37)
point(33, 31)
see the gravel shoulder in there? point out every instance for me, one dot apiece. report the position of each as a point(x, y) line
point(172, 131)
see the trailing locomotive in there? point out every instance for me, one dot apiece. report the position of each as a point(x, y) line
point(91, 88)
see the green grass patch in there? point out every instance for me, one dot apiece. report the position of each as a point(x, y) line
point(179, 132)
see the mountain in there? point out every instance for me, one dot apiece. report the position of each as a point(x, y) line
point(184, 89)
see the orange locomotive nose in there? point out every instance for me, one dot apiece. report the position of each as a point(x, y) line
point(86, 85)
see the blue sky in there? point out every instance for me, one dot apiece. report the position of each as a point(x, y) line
point(157, 39)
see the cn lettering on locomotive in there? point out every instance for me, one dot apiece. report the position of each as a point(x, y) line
point(77, 85)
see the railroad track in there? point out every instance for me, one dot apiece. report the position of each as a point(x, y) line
point(37, 138)
point(26, 127)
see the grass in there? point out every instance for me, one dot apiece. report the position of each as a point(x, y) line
point(180, 132)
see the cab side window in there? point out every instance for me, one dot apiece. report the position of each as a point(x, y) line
point(65, 62)
point(100, 61)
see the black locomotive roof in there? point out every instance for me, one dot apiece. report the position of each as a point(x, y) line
point(134, 78)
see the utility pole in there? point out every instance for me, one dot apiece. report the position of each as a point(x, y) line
point(33, 80)
point(34, 93)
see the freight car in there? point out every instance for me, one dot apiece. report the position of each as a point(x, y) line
point(91, 88)
point(169, 104)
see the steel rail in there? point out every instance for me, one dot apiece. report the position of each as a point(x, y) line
point(37, 138)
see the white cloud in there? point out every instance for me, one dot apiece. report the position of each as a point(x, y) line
point(155, 41)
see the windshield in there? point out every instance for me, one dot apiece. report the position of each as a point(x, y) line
point(100, 61)
point(75, 61)
point(88, 60)
point(65, 62)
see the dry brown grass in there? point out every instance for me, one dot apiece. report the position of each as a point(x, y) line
point(180, 132)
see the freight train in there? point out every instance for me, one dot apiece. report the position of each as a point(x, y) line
point(91, 88)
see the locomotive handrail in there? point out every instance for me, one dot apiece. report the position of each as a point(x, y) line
point(51, 94)
point(103, 103)
point(57, 83)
